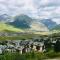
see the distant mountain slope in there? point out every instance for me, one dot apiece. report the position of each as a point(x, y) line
point(27, 23)
point(5, 18)
point(21, 21)
point(5, 27)
point(39, 27)
point(57, 27)
point(49, 23)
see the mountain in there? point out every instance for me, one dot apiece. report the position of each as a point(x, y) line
point(57, 27)
point(39, 27)
point(5, 18)
point(27, 23)
point(49, 23)
point(21, 21)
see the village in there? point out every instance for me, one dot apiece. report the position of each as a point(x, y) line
point(24, 46)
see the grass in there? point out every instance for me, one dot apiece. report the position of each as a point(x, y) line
point(26, 56)
point(4, 27)
point(20, 37)
point(30, 56)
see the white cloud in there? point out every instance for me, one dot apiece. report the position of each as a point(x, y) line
point(57, 20)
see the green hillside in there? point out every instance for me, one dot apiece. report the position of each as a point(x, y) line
point(6, 27)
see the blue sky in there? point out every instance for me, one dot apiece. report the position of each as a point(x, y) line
point(39, 9)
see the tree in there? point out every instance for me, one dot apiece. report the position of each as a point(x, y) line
point(57, 46)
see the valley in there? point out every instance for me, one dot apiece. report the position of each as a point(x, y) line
point(27, 39)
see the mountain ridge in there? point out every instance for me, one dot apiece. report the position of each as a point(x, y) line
point(49, 23)
point(25, 23)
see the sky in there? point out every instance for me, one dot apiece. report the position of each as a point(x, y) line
point(39, 9)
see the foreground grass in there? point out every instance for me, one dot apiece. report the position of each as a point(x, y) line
point(29, 56)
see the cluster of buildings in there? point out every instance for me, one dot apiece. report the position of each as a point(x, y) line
point(23, 46)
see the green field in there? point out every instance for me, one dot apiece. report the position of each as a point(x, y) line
point(5, 27)
point(23, 37)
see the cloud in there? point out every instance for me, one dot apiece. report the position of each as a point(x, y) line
point(57, 20)
point(38, 9)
